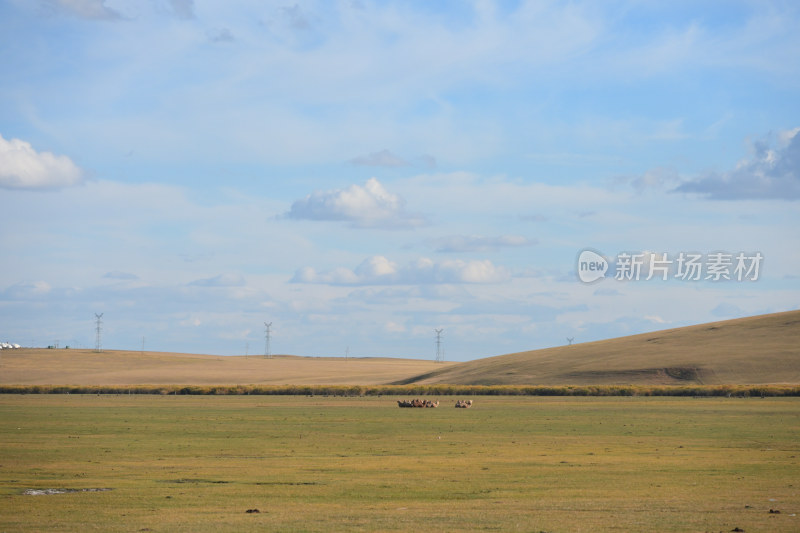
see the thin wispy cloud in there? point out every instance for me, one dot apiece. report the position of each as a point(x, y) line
point(479, 243)
point(221, 280)
point(379, 270)
point(384, 158)
point(659, 178)
point(86, 9)
point(119, 275)
point(24, 290)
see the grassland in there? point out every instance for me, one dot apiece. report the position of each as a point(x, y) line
point(749, 351)
point(31, 366)
point(198, 463)
point(754, 350)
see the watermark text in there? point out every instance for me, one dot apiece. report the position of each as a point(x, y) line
point(683, 266)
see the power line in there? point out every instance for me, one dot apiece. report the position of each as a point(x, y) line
point(98, 329)
point(267, 327)
point(439, 344)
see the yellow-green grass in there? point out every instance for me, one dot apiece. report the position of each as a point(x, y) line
point(30, 366)
point(198, 463)
point(754, 350)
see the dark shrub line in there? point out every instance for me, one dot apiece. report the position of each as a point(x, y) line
point(417, 390)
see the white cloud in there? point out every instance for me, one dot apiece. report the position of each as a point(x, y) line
point(479, 243)
point(370, 206)
point(222, 280)
point(378, 270)
point(337, 276)
point(22, 167)
point(772, 173)
point(384, 158)
point(27, 289)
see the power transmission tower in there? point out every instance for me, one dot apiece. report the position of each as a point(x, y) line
point(570, 339)
point(346, 354)
point(98, 329)
point(267, 327)
point(439, 344)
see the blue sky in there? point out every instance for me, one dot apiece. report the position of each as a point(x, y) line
point(361, 173)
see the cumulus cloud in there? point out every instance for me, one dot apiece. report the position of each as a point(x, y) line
point(222, 280)
point(22, 167)
point(384, 158)
point(368, 206)
point(379, 270)
point(479, 243)
point(772, 173)
point(86, 9)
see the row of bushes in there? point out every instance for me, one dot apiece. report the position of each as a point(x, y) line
point(417, 390)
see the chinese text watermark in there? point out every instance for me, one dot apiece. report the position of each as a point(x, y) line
point(683, 266)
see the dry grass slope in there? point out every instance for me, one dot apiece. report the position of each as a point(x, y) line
point(113, 367)
point(755, 350)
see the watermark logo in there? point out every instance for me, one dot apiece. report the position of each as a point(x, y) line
point(683, 266)
point(591, 266)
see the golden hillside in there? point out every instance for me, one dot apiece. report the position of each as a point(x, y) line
point(35, 366)
point(754, 350)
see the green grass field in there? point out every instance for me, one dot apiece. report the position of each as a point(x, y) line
point(198, 463)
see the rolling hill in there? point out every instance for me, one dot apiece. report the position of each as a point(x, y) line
point(763, 349)
point(755, 350)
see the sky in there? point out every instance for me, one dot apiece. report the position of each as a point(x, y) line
point(361, 173)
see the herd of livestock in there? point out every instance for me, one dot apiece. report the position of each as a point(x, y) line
point(429, 403)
